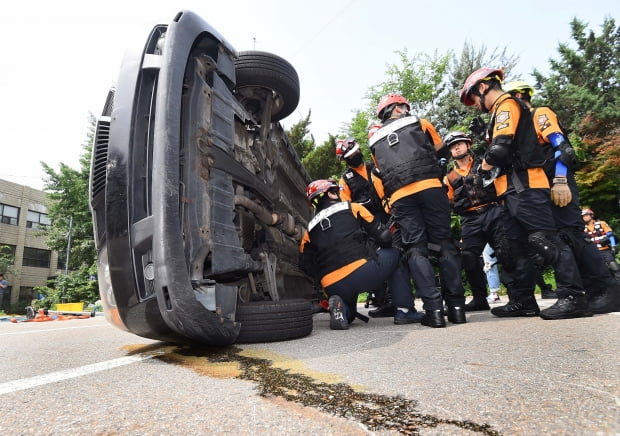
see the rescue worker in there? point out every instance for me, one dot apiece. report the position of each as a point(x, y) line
point(602, 235)
point(405, 149)
point(481, 214)
point(602, 290)
point(514, 161)
point(334, 251)
point(358, 185)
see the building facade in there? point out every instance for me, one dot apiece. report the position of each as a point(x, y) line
point(23, 212)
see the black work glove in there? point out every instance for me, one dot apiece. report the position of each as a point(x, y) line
point(477, 126)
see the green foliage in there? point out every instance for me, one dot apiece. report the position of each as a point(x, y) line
point(583, 88)
point(321, 163)
point(77, 286)
point(451, 114)
point(298, 135)
point(7, 260)
point(420, 79)
point(67, 192)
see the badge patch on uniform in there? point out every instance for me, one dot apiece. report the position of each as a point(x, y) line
point(502, 117)
point(543, 121)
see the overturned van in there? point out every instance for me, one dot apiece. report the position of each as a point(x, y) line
point(197, 195)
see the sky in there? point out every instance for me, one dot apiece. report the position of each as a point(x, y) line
point(60, 58)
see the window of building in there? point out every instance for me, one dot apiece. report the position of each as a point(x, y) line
point(36, 257)
point(36, 220)
point(9, 214)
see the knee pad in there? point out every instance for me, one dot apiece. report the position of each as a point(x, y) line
point(547, 251)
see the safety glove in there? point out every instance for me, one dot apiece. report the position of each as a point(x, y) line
point(560, 192)
point(477, 126)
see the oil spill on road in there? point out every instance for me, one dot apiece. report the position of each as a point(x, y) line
point(374, 411)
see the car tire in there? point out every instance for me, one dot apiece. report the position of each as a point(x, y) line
point(258, 71)
point(269, 321)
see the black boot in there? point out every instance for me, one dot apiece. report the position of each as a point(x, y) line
point(571, 306)
point(477, 304)
point(517, 307)
point(434, 318)
point(384, 311)
point(456, 315)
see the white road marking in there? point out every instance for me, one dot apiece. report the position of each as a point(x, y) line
point(53, 377)
point(48, 330)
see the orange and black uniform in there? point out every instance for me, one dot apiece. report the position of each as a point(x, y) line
point(404, 150)
point(602, 235)
point(360, 186)
point(334, 250)
point(596, 276)
point(598, 231)
point(481, 222)
point(524, 189)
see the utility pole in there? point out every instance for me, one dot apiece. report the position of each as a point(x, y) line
point(67, 256)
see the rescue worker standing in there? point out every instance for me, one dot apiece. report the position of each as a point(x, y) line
point(602, 235)
point(357, 184)
point(481, 214)
point(602, 290)
point(334, 250)
point(515, 156)
point(405, 151)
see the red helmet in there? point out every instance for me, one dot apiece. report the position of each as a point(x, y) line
point(319, 187)
point(345, 148)
point(587, 212)
point(388, 100)
point(456, 136)
point(475, 78)
point(373, 129)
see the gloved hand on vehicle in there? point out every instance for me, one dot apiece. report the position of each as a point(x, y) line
point(560, 192)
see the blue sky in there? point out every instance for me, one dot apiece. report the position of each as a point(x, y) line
point(60, 58)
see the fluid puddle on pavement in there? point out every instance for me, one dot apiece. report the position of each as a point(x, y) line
point(279, 376)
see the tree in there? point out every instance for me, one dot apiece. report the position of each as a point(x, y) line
point(298, 135)
point(583, 88)
point(7, 260)
point(451, 113)
point(431, 85)
point(420, 79)
point(321, 163)
point(67, 192)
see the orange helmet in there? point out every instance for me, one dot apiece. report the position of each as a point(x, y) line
point(345, 148)
point(317, 188)
point(388, 100)
point(475, 78)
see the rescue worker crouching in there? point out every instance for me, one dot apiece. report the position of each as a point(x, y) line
point(335, 251)
point(481, 214)
point(405, 149)
point(359, 184)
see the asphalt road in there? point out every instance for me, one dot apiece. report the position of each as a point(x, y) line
point(522, 376)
